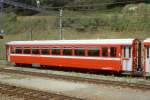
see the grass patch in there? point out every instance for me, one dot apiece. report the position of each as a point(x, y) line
point(125, 23)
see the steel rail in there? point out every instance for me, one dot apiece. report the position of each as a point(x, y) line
point(140, 86)
point(29, 94)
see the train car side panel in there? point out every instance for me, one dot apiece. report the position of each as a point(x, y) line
point(75, 62)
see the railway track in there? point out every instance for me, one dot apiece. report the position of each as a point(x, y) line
point(140, 86)
point(29, 94)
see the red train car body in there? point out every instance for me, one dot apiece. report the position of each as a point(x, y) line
point(117, 55)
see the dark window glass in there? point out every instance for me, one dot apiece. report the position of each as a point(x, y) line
point(147, 52)
point(55, 51)
point(113, 52)
point(129, 52)
point(67, 51)
point(79, 52)
point(35, 51)
point(93, 52)
point(26, 51)
point(18, 50)
point(13, 50)
point(105, 52)
point(124, 51)
point(45, 51)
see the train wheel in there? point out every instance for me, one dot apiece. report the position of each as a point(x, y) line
point(17, 65)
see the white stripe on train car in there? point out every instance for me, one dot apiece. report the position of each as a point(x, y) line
point(147, 40)
point(71, 42)
point(76, 57)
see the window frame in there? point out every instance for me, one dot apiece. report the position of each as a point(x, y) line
point(54, 48)
point(45, 48)
point(80, 48)
point(18, 49)
point(69, 48)
point(147, 51)
point(27, 48)
point(115, 48)
point(105, 47)
point(93, 48)
point(129, 52)
point(35, 48)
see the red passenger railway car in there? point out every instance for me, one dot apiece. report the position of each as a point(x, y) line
point(117, 55)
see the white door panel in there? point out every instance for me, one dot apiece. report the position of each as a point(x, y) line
point(147, 60)
point(127, 59)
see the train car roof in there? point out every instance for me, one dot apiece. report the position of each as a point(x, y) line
point(147, 42)
point(90, 41)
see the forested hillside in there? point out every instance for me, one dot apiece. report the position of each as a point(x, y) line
point(78, 5)
point(82, 19)
point(79, 16)
point(56, 3)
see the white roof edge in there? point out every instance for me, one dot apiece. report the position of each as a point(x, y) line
point(147, 40)
point(128, 41)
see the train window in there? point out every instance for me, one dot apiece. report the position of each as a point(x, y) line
point(79, 52)
point(45, 51)
point(67, 51)
point(13, 50)
point(35, 51)
point(113, 52)
point(124, 52)
point(127, 52)
point(93, 52)
point(55, 51)
point(147, 52)
point(104, 51)
point(18, 50)
point(26, 51)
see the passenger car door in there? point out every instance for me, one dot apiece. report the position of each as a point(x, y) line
point(147, 59)
point(127, 58)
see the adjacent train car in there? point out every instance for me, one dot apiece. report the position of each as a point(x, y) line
point(116, 55)
point(146, 59)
